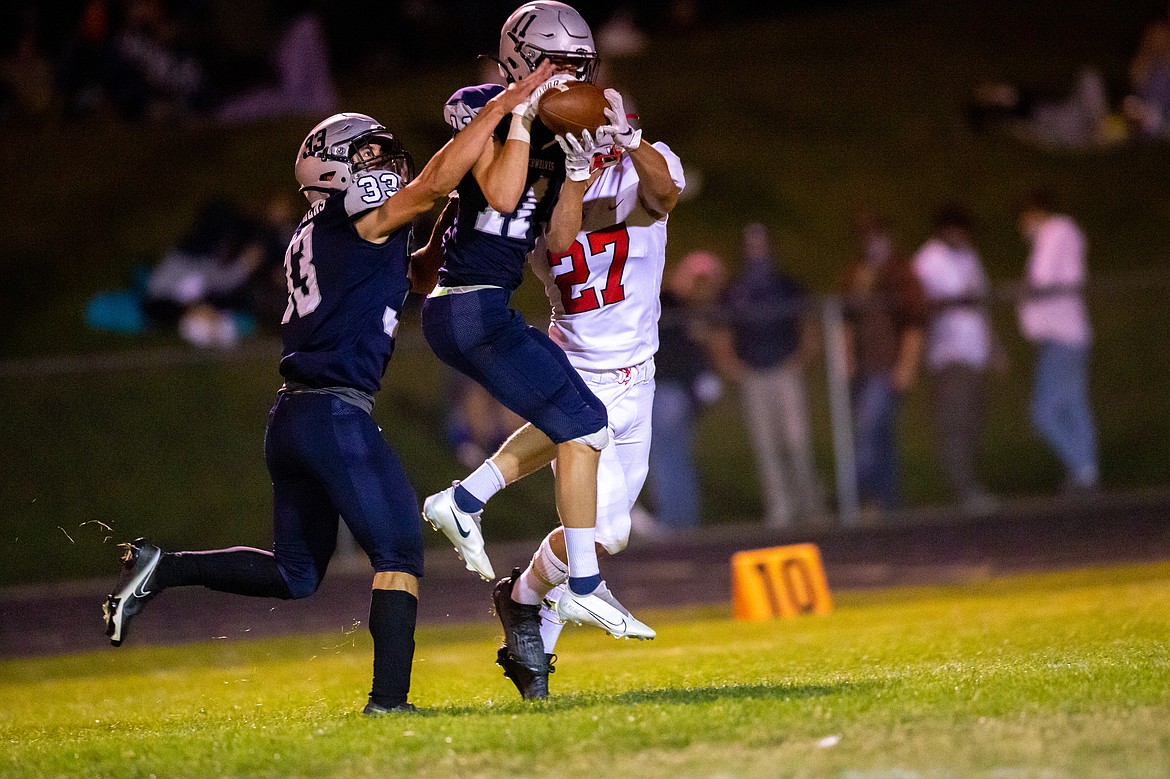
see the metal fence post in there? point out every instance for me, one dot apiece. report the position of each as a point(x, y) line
point(840, 410)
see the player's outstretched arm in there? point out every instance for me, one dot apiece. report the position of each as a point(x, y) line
point(502, 169)
point(451, 163)
point(565, 221)
point(656, 187)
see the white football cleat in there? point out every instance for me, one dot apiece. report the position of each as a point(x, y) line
point(601, 612)
point(461, 529)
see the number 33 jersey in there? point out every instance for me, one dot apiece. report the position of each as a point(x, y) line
point(604, 290)
point(344, 292)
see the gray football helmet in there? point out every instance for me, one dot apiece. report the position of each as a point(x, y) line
point(545, 29)
point(340, 146)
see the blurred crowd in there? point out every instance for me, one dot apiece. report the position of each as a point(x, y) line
point(1091, 115)
point(222, 280)
point(143, 60)
point(159, 60)
point(906, 315)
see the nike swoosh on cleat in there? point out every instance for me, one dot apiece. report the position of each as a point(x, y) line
point(139, 592)
point(462, 532)
point(615, 625)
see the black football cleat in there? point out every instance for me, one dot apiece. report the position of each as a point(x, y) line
point(525, 661)
point(377, 710)
point(531, 685)
point(139, 561)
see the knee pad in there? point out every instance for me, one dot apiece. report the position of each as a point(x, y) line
point(597, 440)
point(614, 534)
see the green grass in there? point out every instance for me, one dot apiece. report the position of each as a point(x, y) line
point(1064, 674)
point(795, 120)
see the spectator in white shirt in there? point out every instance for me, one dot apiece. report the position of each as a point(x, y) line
point(1052, 315)
point(958, 349)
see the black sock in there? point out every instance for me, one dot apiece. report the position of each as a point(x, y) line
point(239, 570)
point(392, 618)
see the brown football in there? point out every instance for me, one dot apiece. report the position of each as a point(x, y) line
point(573, 107)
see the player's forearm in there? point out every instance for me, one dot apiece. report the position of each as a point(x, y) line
point(656, 186)
point(565, 222)
point(448, 167)
point(502, 180)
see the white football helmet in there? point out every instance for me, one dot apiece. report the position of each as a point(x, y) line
point(342, 145)
point(545, 29)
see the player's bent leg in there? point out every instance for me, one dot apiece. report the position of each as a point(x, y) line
point(148, 571)
point(393, 616)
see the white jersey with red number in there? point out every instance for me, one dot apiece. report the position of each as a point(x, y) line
point(604, 290)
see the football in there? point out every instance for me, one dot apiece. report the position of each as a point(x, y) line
point(573, 107)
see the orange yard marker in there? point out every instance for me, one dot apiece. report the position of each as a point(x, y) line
point(782, 581)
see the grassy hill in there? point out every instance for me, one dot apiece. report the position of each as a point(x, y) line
point(796, 121)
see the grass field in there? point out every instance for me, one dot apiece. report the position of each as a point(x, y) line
point(1054, 675)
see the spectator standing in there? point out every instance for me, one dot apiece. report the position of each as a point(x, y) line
point(1147, 108)
point(958, 349)
point(1053, 316)
point(884, 332)
point(765, 347)
point(303, 73)
point(684, 383)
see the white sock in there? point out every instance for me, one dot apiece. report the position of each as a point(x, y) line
point(544, 573)
point(581, 545)
point(550, 626)
point(484, 481)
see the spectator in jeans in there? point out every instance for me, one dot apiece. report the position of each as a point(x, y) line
point(1052, 316)
point(884, 324)
point(683, 384)
point(958, 350)
point(765, 347)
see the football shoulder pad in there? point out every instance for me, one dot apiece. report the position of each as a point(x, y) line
point(462, 106)
point(370, 189)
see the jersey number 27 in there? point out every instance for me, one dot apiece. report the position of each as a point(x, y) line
point(612, 243)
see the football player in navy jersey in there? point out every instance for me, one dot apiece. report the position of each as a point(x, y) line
point(349, 270)
point(527, 184)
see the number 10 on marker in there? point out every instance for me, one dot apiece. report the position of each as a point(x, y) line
point(782, 581)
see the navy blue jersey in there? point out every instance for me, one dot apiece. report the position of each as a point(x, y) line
point(485, 246)
point(344, 297)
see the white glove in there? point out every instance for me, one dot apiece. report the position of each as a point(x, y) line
point(578, 155)
point(524, 113)
point(618, 130)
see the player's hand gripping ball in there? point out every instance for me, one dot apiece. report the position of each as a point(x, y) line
point(572, 107)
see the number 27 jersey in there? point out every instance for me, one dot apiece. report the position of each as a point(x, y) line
point(604, 291)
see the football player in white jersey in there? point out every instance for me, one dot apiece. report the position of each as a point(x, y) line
point(604, 293)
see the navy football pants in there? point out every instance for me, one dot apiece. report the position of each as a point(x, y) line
point(478, 335)
point(328, 457)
